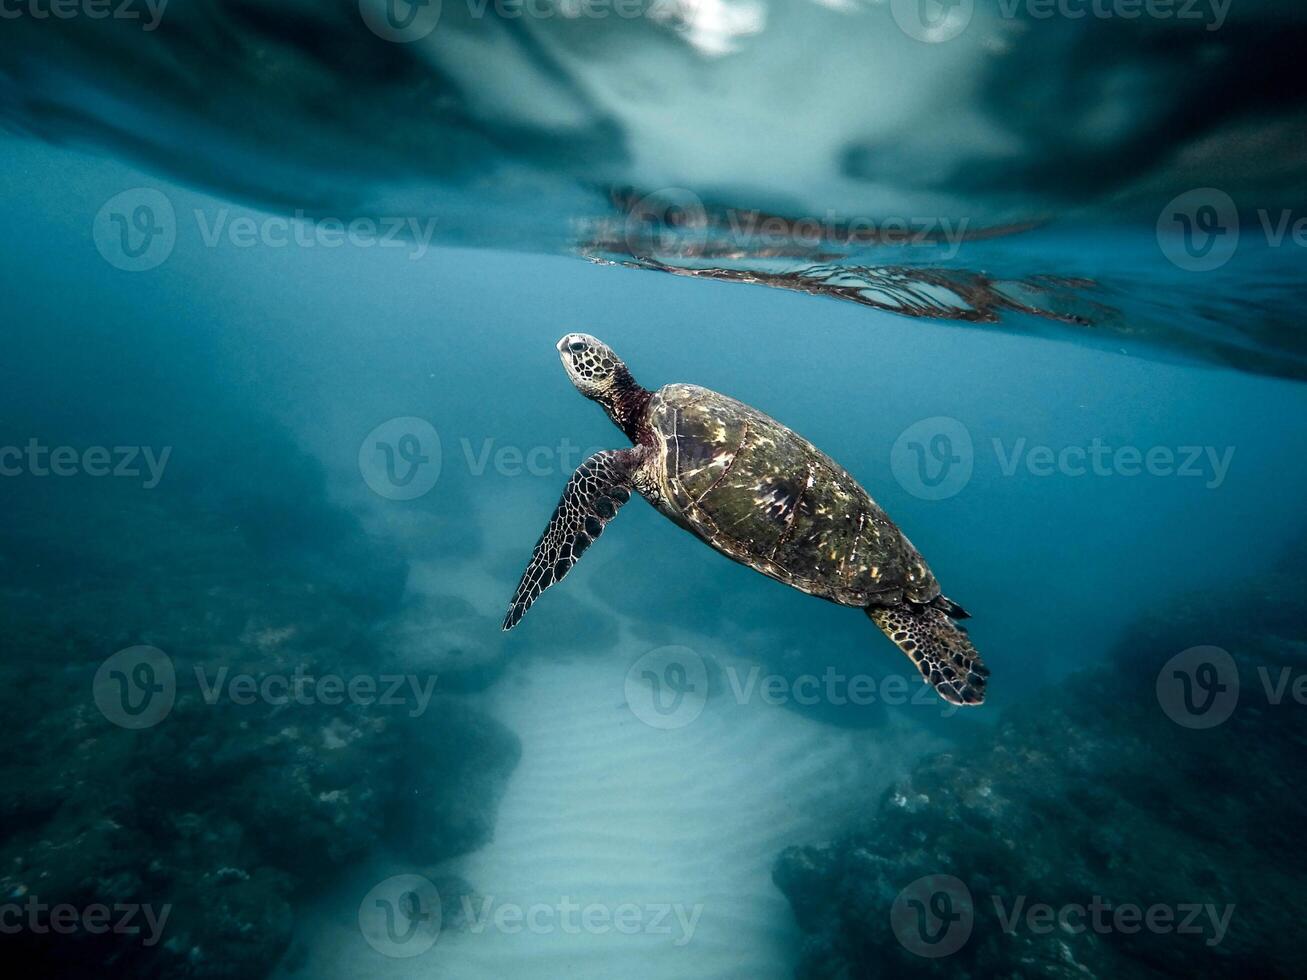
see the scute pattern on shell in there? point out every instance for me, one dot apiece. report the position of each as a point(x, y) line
point(766, 497)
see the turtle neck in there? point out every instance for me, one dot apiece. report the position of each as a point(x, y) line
point(626, 403)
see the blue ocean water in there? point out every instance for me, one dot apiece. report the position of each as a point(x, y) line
point(270, 479)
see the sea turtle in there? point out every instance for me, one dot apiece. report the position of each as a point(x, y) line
point(761, 495)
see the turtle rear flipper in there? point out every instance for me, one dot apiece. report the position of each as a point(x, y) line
point(938, 646)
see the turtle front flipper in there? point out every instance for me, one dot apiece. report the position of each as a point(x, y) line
point(938, 646)
point(590, 500)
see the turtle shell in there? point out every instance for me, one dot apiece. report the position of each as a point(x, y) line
point(766, 497)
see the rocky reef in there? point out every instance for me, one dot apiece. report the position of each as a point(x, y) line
point(1138, 820)
point(174, 836)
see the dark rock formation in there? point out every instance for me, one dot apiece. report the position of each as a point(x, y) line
point(443, 635)
point(1093, 792)
point(266, 777)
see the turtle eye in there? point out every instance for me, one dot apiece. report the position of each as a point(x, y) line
point(576, 346)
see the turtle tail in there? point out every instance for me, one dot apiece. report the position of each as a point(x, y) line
point(938, 646)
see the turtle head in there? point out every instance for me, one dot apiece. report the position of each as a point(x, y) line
point(600, 375)
point(591, 365)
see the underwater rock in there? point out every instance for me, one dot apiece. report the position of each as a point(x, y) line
point(456, 765)
point(1092, 794)
point(457, 899)
point(445, 636)
point(287, 726)
point(93, 820)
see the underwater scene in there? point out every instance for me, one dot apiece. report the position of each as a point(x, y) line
point(953, 348)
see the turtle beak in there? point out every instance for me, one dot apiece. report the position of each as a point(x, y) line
point(563, 353)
